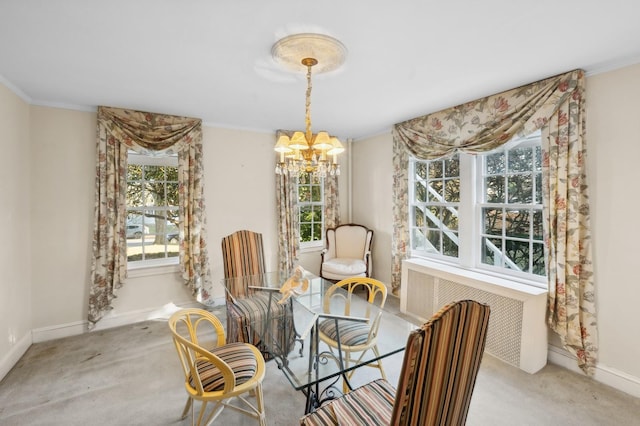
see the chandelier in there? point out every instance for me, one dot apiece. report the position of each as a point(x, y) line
point(308, 152)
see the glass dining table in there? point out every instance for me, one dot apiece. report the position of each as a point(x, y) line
point(307, 362)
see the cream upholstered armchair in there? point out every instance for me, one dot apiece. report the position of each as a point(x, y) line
point(348, 252)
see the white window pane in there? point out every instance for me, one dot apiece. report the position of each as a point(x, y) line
point(152, 208)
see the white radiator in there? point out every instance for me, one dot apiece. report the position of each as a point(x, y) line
point(517, 331)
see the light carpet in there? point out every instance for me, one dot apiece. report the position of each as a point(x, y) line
point(130, 375)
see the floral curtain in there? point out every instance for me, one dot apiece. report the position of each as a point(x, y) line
point(555, 105)
point(400, 193)
point(331, 202)
point(117, 131)
point(571, 303)
point(288, 219)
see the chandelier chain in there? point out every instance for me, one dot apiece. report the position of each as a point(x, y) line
point(307, 118)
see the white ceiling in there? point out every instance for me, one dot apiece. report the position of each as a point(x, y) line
point(211, 58)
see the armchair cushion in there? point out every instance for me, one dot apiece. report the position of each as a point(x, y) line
point(238, 356)
point(344, 267)
point(371, 404)
point(352, 333)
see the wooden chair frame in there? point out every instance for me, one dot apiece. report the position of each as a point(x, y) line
point(187, 326)
point(376, 293)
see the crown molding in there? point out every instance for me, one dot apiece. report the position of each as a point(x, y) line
point(62, 105)
point(16, 90)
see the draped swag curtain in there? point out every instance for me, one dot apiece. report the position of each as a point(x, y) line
point(288, 220)
point(117, 131)
point(556, 106)
point(289, 214)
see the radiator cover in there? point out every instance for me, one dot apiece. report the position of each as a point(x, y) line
point(517, 332)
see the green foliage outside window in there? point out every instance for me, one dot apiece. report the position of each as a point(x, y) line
point(311, 204)
point(512, 181)
point(152, 211)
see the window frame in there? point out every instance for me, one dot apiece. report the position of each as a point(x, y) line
point(439, 204)
point(470, 208)
point(170, 160)
point(313, 244)
point(481, 203)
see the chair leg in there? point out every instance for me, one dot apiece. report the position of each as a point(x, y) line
point(187, 407)
point(347, 376)
point(215, 412)
point(377, 365)
point(262, 420)
point(379, 362)
point(201, 414)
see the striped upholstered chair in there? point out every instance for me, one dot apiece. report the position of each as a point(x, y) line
point(439, 371)
point(243, 256)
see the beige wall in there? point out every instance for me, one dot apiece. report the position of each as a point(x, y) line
point(62, 188)
point(240, 191)
point(613, 141)
point(15, 259)
point(613, 138)
point(372, 183)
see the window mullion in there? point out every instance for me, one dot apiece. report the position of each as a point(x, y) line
point(468, 223)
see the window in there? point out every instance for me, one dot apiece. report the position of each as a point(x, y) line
point(311, 204)
point(436, 199)
point(511, 208)
point(481, 211)
point(152, 210)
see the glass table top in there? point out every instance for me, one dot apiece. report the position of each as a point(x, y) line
point(304, 363)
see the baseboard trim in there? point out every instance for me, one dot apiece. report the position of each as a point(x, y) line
point(110, 320)
point(603, 374)
point(14, 355)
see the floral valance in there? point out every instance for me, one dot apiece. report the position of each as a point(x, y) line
point(150, 133)
point(487, 123)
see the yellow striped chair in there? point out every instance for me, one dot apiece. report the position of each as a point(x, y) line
point(215, 371)
point(355, 337)
point(243, 256)
point(439, 371)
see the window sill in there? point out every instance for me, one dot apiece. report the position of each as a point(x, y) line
point(151, 270)
point(312, 249)
point(504, 281)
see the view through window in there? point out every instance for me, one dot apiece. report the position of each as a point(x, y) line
point(311, 205)
point(491, 202)
point(152, 209)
